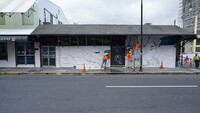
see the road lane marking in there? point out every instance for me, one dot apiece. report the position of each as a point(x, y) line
point(174, 86)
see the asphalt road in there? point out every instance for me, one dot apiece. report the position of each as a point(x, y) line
point(100, 94)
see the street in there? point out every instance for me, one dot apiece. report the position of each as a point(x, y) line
point(100, 94)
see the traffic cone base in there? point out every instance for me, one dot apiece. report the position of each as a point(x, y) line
point(84, 69)
point(161, 66)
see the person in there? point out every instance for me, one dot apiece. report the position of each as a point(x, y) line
point(105, 58)
point(178, 61)
point(196, 59)
point(181, 60)
point(186, 60)
point(130, 59)
point(137, 50)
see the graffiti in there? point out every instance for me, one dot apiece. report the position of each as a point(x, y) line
point(148, 39)
point(117, 49)
point(118, 59)
point(154, 52)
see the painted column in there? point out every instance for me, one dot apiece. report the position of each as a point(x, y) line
point(195, 32)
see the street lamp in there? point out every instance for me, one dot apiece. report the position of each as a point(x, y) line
point(141, 38)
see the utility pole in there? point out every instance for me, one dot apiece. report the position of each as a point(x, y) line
point(141, 38)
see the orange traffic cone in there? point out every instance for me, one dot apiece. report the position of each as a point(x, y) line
point(84, 69)
point(161, 66)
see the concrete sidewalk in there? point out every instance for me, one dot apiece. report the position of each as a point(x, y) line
point(110, 70)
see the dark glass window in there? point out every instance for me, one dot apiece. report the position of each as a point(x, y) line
point(66, 41)
point(3, 51)
point(74, 41)
point(25, 53)
point(82, 40)
point(197, 49)
point(90, 40)
point(98, 40)
point(106, 40)
point(20, 59)
point(198, 41)
point(29, 49)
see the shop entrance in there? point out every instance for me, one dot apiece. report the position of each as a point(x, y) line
point(118, 51)
point(48, 57)
point(25, 53)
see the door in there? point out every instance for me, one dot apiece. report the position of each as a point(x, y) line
point(48, 56)
point(118, 52)
point(25, 53)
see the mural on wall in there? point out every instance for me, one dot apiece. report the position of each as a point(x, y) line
point(77, 56)
point(155, 50)
point(117, 57)
point(118, 52)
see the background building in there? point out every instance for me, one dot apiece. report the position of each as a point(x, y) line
point(188, 16)
point(18, 18)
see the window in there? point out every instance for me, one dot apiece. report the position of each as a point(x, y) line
point(2, 19)
point(82, 40)
point(74, 41)
point(98, 40)
point(3, 51)
point(106, 40)
point(66, 41)
point(90, 40)
point(197, 49)
point(25, 53)
point(27, 18)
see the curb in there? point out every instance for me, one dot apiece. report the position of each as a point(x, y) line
point(89, 73)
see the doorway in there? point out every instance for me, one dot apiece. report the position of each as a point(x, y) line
point(48, 57)
point(118, 51)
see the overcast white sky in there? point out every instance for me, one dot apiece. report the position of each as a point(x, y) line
point(157, 12)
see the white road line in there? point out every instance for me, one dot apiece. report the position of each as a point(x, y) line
point(175, 86)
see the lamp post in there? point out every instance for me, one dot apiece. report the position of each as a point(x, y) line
point(141, 36)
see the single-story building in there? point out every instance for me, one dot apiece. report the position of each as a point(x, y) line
point(73, 45)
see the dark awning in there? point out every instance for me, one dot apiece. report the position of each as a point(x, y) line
point(13, 38)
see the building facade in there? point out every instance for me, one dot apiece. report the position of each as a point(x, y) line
point(189, 15)
point(18, 19)
point(28, 38)
point(75, 45)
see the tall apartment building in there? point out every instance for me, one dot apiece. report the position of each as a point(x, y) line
point(189, 15)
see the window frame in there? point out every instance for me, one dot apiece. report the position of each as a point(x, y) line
point(25, 53)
